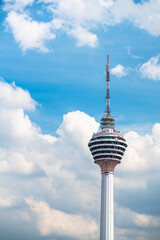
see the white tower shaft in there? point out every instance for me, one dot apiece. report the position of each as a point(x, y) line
point(107, 208)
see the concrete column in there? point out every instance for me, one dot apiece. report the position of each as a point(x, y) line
point(107, 211)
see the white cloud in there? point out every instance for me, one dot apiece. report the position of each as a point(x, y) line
point(84, 37)
point(15, 163)
point(51, 221)
point(14, 97)
point(16, 130)
point(80, 12)
point(34, 160)
point(128, 218)
point(16, 4)
point(147, 17)
point(144, 15)
point(140, 151)
point(78, 18)
point(28, 33)
point(16, 124)
point(49, 168)
point(130, 233)
point(119, 71)
point(6, 199)
point(77, 128)
point(151, 69)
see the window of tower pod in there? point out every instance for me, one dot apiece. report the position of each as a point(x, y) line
point(116, 142)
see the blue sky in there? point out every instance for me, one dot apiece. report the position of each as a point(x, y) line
point(67, 71)
point(52, 69)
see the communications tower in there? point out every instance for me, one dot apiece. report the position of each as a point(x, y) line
point(107, 148)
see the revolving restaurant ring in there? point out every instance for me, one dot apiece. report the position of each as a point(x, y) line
point(107, 146)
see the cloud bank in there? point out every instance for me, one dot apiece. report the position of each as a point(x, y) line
point(52, 186)
point(53, 221)
point(79, 19)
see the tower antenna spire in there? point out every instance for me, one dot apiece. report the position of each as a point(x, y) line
point(108, 87)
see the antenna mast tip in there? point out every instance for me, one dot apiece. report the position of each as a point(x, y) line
point(107, 59)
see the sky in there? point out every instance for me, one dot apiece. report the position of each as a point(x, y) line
point(53, 56)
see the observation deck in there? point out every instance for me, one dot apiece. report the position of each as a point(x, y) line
point(107, 146)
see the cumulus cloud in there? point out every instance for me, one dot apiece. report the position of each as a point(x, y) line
point(15, 163)
point(16, 4)
point(78, 19)
point(143, 15)
point(80, 12)
point(141, 149)
point(151, 69)
point(146, 16)
point(119, 71)
point(6, 199)
point(28, 33)
point(29, 157)
point(77, 127)
point(41, 169)
point(16, 129)
point(51, 221)
point(84, 37)
point(14, 97)
point(128, 218)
